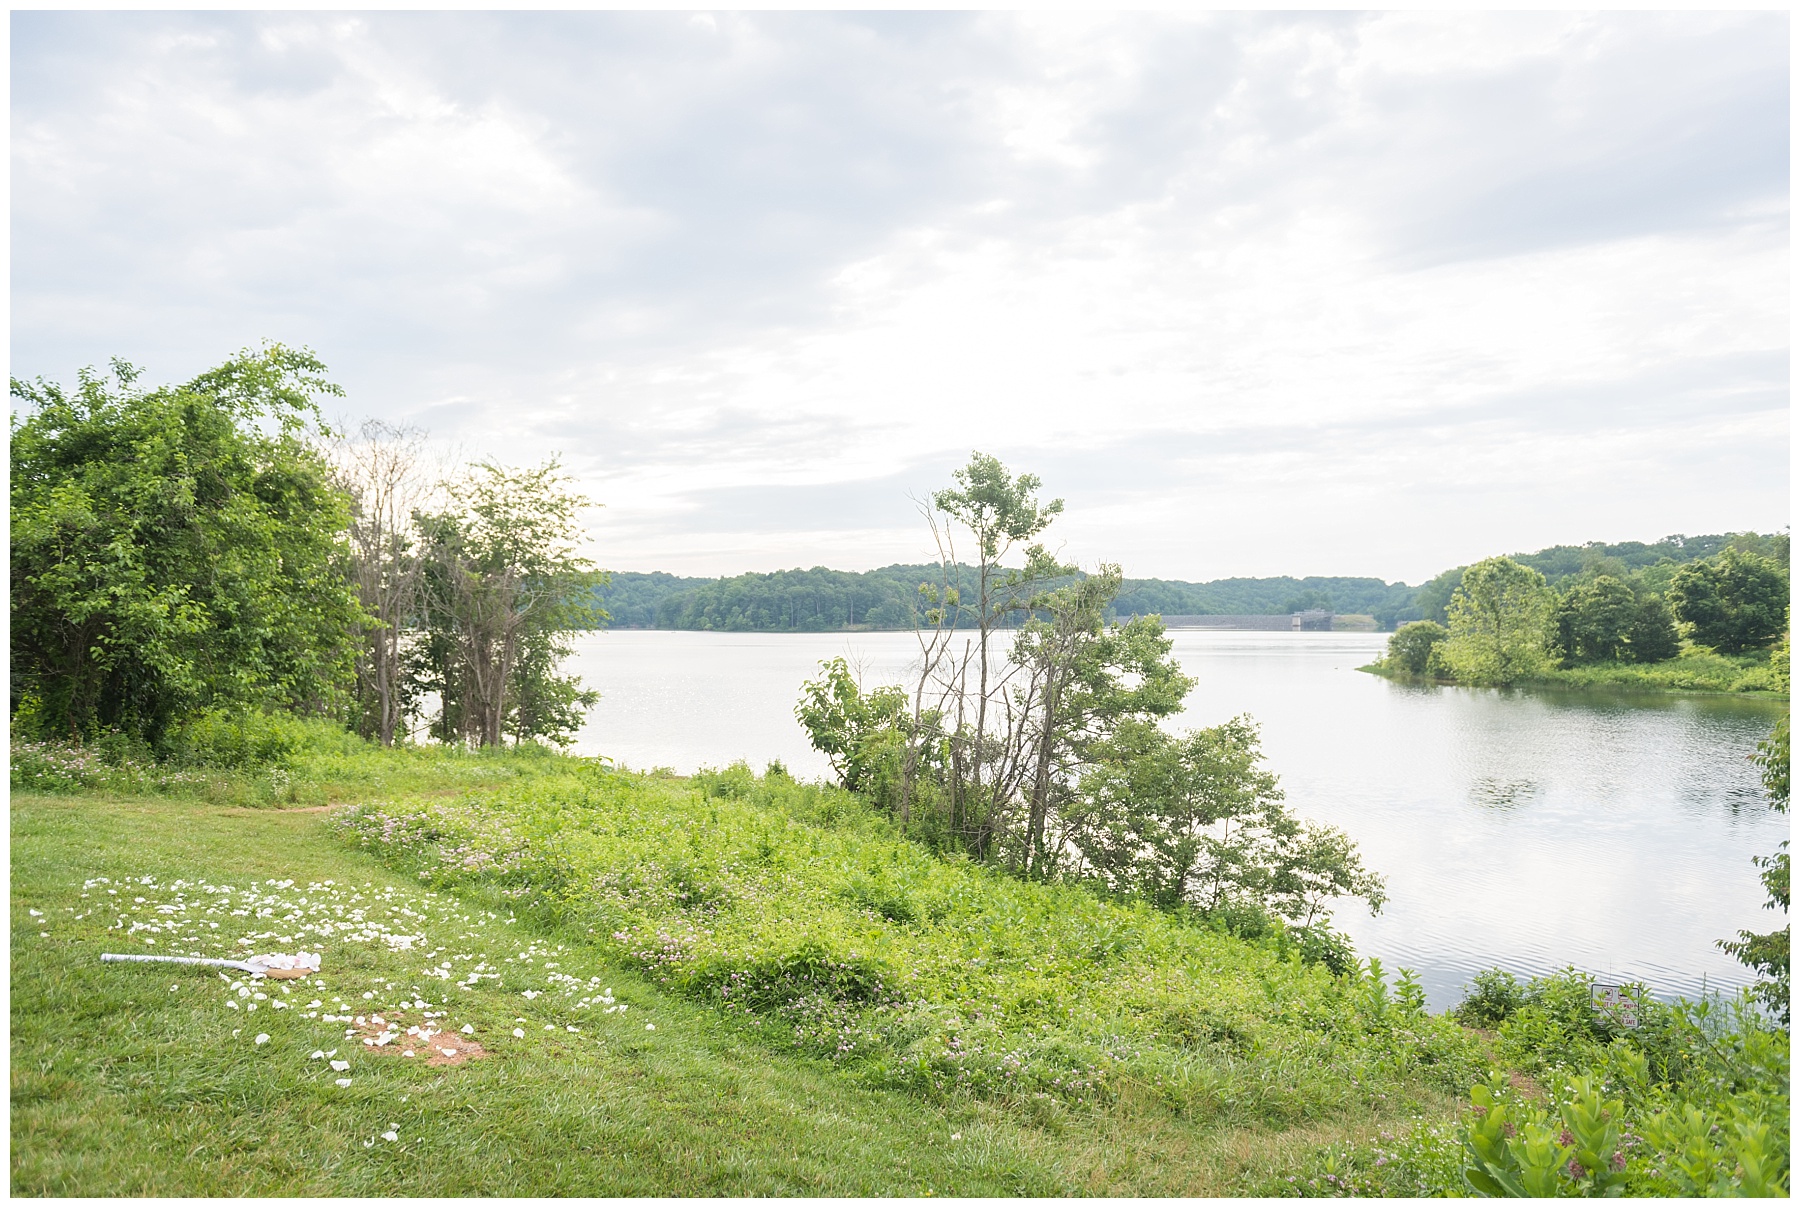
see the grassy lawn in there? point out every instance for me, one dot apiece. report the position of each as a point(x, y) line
point(142, 1081)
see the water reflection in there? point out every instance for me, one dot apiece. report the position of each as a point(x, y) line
point(1492, 792)
point(1525, 830)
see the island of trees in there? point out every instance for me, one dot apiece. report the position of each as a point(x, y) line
point(1718, 622)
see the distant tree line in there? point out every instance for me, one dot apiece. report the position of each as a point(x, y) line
point(819, 599)
point(888, 598)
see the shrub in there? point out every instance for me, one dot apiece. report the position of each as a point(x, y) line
point(1412, 645)
point(1495, 995)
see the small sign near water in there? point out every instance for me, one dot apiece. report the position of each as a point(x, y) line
point(1613, 1001)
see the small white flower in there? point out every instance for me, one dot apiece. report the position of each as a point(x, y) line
point(531, 993)
point(649, 1027)
point(174, 987)
point(956, 1136)
point(235, 1031)
point(368, 994)
point(262, 1038)
point(519, 1032)
point(340, 1066)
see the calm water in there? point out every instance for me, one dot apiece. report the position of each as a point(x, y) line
point(1527, 831)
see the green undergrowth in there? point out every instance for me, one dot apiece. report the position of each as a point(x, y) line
point(145, 1080)
point(1693, 671)
point(258, 759)
point(802, 913)
point(1632, 1096)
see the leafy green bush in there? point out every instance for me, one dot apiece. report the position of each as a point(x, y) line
point(1496, 994)
point(252, 738)
point(1412, 646)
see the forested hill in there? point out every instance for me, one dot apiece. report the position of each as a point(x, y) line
point(822, 599)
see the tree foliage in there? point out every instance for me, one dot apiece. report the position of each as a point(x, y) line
point(1604, 619)
point(503, 586)
point(1498, 618)
point(381, 473)
point(1735, 602)
point(1047, 759)
point(1414, 646)
point(1768, 952)
point(176, 549)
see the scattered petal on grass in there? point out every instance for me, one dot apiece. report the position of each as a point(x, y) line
point(340, 1066)
point(448, 1052)
point(956, 1136)
point(318, 1054)
point(468, 1029)
point(519, 1032)
point(407, 1053)
point(174, 987)
point(649, 1027)
point(343, 1082)
point(390, 1135)
point(262, 1038)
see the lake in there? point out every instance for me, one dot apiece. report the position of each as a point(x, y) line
point(1525, 830)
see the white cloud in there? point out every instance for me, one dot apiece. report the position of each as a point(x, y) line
point(1260, 294)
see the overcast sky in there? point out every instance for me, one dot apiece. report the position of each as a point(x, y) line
point(1257, 294)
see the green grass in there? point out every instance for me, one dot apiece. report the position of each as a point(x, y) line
point(1698, 671)
point(802, 910)
point(125, 1086)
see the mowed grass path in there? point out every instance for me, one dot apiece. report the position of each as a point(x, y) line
point(123, 1085)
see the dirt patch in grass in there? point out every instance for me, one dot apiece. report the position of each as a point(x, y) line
point(429, 1045)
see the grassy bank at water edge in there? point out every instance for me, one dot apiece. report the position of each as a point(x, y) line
point(151, 1081)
